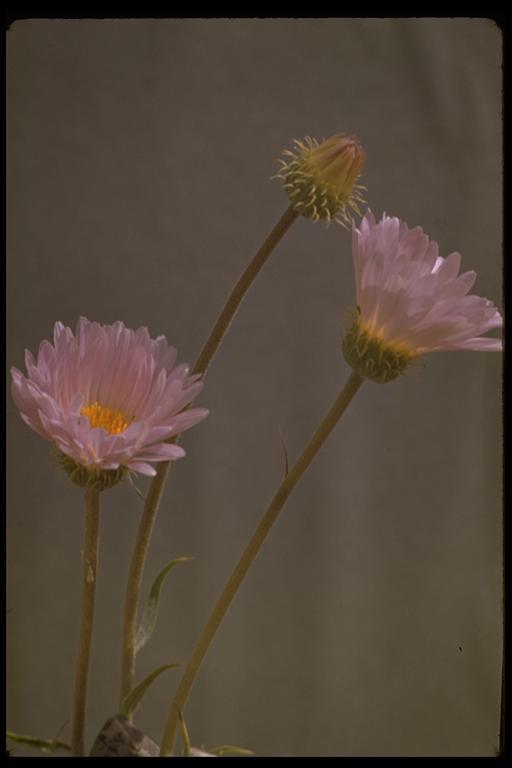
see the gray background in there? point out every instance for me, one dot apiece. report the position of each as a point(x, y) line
point(139, 157)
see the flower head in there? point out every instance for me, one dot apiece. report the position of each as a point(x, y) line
point(320, 179)
point(410, 301)
point(109, 398)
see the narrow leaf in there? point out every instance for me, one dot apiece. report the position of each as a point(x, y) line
point(185, 738)
point(228, 750)
point(150, 614)
point(285, 452)
point(45, 745)
point(132, 700)
point(132, 483)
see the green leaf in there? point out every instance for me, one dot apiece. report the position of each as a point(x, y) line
point(132, 700)
point(150, 615)
point(45, 745)
point(228, 750)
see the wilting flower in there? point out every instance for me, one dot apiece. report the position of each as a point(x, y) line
point(410, 301)
point(320, 179)
point(109, 398)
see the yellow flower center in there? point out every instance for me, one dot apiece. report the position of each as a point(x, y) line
point(101, 416)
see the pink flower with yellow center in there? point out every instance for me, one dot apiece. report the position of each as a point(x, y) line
point(410, 301)
point(109, 398)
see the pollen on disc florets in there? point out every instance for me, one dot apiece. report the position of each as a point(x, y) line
point(372, 357)
point(320, 178)
point(90, 477)
point(109, 419)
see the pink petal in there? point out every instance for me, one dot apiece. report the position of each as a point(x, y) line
point(120, 370)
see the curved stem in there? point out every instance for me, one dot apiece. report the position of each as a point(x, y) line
point(289, 483)
point(90, 561)
point(237, 294)
point(157, 485)
point(135, 574)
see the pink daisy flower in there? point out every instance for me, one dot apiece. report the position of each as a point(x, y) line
point(411, 300)
point(108, 397)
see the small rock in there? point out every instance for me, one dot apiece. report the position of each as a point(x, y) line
point(119, 738)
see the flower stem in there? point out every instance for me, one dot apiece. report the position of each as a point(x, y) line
point(90, 560)
point(237, 294)
point(135, 574)
point(288, 484)
point(157, 485)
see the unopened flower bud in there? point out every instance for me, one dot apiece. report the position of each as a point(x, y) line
point(320, 179)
